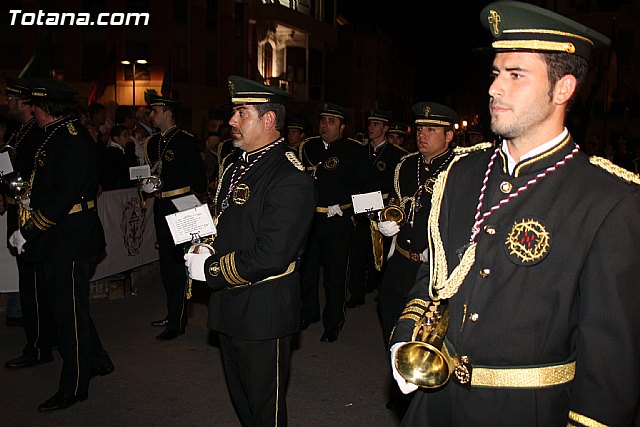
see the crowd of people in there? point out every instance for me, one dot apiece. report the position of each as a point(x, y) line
point(504, 263)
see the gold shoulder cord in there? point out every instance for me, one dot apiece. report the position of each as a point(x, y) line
point(442, 286)
point(615, 169)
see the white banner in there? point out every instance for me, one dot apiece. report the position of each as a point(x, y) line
point(128, 229)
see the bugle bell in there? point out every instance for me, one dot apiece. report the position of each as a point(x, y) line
point(422, 361)
point(392, 212)
point(156, 181)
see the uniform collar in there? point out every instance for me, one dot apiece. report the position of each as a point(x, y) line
point(539, 158)
point(250, 156)
point(48, 127)
point(438, 158)
point(171, 130)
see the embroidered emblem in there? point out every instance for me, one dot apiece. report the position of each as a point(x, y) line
point(214, 269)
point(72, 129)
point(528, 242)
point(331, 163)
point(169, 155)
point(241, 194)
point(426, 111)
point(494, 19)
point(381, 165)
point(294, 160)
point(505, 187)
point(428, 185)
point(232, 88)
point(42, 156)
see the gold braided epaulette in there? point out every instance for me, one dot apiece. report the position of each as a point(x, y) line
point(614, 169)
point(406, 156)
point(473, 148)
point(291, 156)
point(363, 143)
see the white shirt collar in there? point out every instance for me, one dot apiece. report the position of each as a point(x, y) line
point(511, 163)
point(115, 144)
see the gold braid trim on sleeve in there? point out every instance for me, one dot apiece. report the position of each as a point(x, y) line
point(413, 309)
point(441, 285)
point(420, 302)
point(584, 420)
point(615, 169)
point(413, 317)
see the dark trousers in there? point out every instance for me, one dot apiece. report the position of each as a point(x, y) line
point(172, 269)
point(38, 323)
point(363, 275)
point(66, 289)
point(328, 245)
point(257, 373)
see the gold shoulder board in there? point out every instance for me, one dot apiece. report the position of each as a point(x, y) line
point(477, 147)
point(294, 160)
point(614, 169)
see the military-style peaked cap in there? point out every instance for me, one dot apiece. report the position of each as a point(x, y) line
point(333, 110)
point(244, 91)
point(297, 123)
point(18, 88)
point(434, 114)
point(380, 115)
point(522, 26)
point(155, 100)
point(397, 127)
point(52, 90)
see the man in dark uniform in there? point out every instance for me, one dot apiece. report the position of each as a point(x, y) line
point(173, 156)
point(264, 207)
point(63, 235)
point(365, 264)
point(413, 185)
point(395, 134)
point(24, 142)
point(537, 255)
point(298, 129)
point(340, 168)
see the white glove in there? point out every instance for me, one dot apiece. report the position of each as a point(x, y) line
point(147, 186)
point(388, 228)
point(17, 241)
point(25, 202)
point(424, 256)
point(404, 386)
point(195, 265)
point(334, 210)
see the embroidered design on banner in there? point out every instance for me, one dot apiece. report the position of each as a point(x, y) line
point(331, 163)
point(528, 242)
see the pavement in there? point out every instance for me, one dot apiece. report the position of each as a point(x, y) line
point(181, 382)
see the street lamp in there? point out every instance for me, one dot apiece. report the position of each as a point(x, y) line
point(133, 64)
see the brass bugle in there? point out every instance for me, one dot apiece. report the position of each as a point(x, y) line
point(392, 212)
point(421, 361)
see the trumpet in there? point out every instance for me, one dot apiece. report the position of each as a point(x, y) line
point(156, 181)
point(392, 212)
point(198, 246)
point(424, 361)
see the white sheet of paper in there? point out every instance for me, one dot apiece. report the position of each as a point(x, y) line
point(5, 164)
point(186, 202)
point(367, 202)
point(139, 172)
point(187, 224)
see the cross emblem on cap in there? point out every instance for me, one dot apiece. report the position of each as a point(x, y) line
point(494, 20)
point(426, 111)
point(232, 88)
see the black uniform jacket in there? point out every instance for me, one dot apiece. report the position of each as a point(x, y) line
point(340, 170)
point(25, 142)
point(555, 280)
point(182, 164)
point(260, 238)
point(65, 180)
point(413, 174)
point(384, 162)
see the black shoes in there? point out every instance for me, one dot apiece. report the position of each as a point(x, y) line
point(330, 336)
point(23, 361)
point(61, 400)
point(354, 302)
point(306, 323)
point(163, 322)
point(102, 370)
point(169, 334)
point(14, 321)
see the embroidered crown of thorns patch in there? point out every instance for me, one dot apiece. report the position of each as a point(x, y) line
point(528, 242)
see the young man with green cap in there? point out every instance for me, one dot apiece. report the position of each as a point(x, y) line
point(534, 253)
point(263, 208)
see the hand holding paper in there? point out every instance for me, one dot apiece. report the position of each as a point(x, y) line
point(388, 228)
point(147, 186)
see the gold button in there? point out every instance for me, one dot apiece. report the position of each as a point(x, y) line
point(474, 317)
point(506, 187)
point(214, 269)
point(490, 229)
point(485, 272)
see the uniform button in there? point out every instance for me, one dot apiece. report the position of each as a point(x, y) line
point(474, 317)
point(506, 187)
point(490, 229)
point(485, 272)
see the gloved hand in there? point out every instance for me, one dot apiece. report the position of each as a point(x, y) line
point(404, 386)
point(25, 202)
point(147, 186)
point(17, 241)
point(388, 228)
point(424, 256)
point(334, 210)
point(195, 265)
